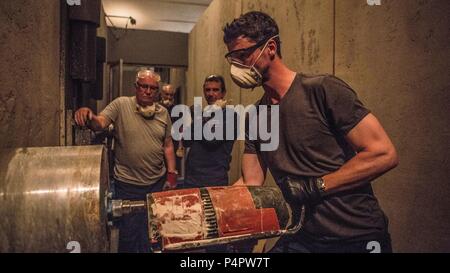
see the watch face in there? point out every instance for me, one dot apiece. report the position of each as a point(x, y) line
point(321, 184)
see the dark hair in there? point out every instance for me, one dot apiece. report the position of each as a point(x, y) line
point(216, 78)
point(255, 25)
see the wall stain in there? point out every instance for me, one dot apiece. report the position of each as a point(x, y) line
point(313, 47)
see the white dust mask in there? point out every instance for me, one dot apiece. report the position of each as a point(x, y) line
point(247, 76)
point(147, 111)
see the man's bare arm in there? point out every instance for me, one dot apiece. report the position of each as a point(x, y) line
point(253, 173)
point(169, 154)
point(85, 117)
point(375, 155)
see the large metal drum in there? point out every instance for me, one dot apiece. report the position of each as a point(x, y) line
point(52, 199)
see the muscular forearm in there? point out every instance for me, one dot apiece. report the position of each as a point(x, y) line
point(253, 173)
point(364, 167)
point(376, 155)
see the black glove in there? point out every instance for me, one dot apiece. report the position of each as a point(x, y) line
point(299, 192)
point(302, 191)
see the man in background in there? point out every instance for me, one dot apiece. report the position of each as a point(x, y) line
point(208, 161)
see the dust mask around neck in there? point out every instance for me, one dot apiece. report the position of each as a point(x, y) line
point(147, 112)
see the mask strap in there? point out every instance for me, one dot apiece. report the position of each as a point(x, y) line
point(273, 37)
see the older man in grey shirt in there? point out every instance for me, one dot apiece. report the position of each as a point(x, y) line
point(144, 154)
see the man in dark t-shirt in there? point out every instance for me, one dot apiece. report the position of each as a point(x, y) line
point(208, 161)
point(330, 146)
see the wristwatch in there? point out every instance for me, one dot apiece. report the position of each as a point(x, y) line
point(321, 185)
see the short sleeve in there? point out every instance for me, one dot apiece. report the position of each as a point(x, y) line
point(344, 109)
point(111, 111)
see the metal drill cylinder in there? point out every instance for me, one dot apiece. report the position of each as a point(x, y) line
point(120, 208)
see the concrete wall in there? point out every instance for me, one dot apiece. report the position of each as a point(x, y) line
point(148, 47)
point(396, 57)
point(29, 73)
point(178, 80)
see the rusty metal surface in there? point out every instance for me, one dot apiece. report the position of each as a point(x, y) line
point(51, 196)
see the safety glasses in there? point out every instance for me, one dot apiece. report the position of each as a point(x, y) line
point(240, 55)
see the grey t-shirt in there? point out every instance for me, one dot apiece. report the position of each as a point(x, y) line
point(139, 142)
point(315, 115)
